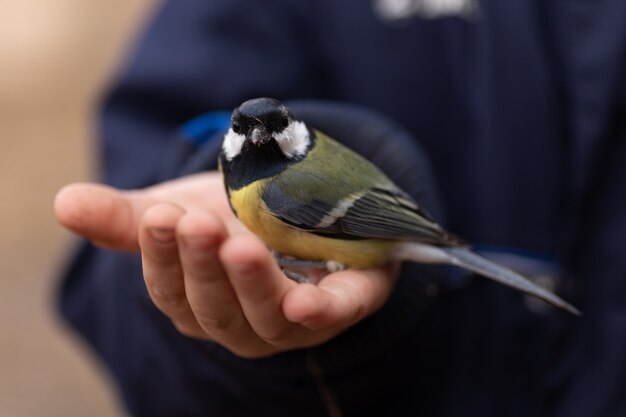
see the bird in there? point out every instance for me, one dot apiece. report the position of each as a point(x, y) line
point(317, 203)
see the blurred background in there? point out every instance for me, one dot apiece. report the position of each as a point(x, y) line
point(56, 57)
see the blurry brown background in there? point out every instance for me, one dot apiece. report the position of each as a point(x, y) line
point(56, 56)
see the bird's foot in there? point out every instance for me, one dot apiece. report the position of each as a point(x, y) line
point(289, 263)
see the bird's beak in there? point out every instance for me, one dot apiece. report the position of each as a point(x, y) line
point(259, 135)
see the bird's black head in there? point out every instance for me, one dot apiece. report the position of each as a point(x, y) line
point(263, 123)
point(263, 140)
point(258, 119)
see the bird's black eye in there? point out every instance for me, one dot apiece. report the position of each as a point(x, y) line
point(284, 121)
point(236, 126)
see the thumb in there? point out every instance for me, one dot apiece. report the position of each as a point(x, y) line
point(102, 214)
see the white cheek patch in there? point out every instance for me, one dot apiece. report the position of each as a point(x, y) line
point(233, 142)
point(294, 139)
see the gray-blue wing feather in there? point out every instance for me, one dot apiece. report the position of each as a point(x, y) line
point(376, 213)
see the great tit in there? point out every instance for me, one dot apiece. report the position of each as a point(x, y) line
point(310, 198)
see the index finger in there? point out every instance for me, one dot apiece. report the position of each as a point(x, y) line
point(110, 217)
point(102, 214)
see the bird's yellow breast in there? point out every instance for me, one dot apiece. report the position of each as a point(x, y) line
point(288, 240)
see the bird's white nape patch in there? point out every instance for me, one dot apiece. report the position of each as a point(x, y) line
point(294, 139)
point(233, 142)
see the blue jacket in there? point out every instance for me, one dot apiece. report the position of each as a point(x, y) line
point(521, 108)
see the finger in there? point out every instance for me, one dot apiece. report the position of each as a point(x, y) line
point(210, 294)
point(341, 299)
point(260, 287)
point(102, 214)
point(162, 269)
point(110, 217)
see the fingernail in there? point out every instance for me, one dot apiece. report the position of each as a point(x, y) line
point(162, 235)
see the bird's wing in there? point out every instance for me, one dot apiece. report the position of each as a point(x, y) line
point(373, 213)
point(390, 214)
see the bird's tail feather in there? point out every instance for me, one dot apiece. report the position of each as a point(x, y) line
point(473, 262)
